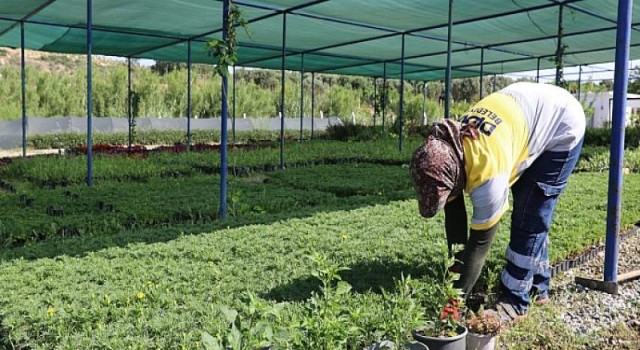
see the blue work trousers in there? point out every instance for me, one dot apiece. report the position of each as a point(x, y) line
point(535, 196)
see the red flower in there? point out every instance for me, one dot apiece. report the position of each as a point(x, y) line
point(451, 310)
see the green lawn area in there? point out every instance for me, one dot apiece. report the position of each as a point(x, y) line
point(163, 283)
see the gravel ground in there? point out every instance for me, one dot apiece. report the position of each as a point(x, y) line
point(585, 310)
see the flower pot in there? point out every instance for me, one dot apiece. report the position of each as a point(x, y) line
point(457, 342)
point(480, 341)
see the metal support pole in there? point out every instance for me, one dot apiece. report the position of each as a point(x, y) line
point(89, 96)
point(282, 81)
point(189, 95)
point(538, 71)
point(313, 101)
point(617, 140)
point(424, 104)
point(223, 120)
point(129, 114)
point(579, 81)
point(559, 49)
point(301, 92)
point(375, 100)
point(233, 113)
point(401, 109)
point(447, 78)
point(384, 95)
point(481, 71)
point(23, 79)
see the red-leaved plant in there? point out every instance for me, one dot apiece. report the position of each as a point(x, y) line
point(443, 303)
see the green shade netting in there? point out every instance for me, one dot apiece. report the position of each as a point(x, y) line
point(355, 37)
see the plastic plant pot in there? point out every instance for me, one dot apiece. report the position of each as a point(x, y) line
point(457, 342)
point(480, 341)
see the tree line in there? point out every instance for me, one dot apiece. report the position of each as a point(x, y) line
point(161, 91)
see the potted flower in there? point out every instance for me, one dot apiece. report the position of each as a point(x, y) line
point(483, 330)
point(444, 329)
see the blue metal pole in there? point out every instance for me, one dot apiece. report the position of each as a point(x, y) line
point(189, 95)
point(313, 101)
point(481, 72)
point(233, 113)
point(617, 140)
point(89, 96)
point(579, 81)
point(384, 94)
point(129, 115)
point(223, 120)
point(282, 81)
point(424, 103)
point(401, 109)
point(375, 100)
point(559, 49)
point(23, 79)
point(447, 75)
point(301, 92)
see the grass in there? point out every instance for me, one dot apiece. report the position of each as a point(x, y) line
point(193, 199)
point(161, 269)
point(163, 287)
point(71, 169)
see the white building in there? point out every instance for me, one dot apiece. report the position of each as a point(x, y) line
point(602, 103)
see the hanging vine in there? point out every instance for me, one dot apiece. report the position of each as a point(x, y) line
point(226, 51)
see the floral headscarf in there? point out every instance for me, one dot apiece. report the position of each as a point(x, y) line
point(437, 166)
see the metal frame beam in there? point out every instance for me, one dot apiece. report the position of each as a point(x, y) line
point(89, 94)
point(282, 87)
point(23, 91)
point(524, 59)
point(233, 108)
point(29, 15)
point(481, 73)
point(129, 115)
point(513, 42)
point(313, 101)
point(325, 54)
point(301, 94)
point(189, 95)
point(457, 50)
point(616, 159)
point(391, 32)
point(411, 32)
point(591, 13)
point(401, 102)
point(223, 122)
point(447, 73)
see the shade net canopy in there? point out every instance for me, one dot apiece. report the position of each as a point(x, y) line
point(351, 37)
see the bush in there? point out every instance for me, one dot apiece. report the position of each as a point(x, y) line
point(156, 137)
point(602, 137)
point(353, 132)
